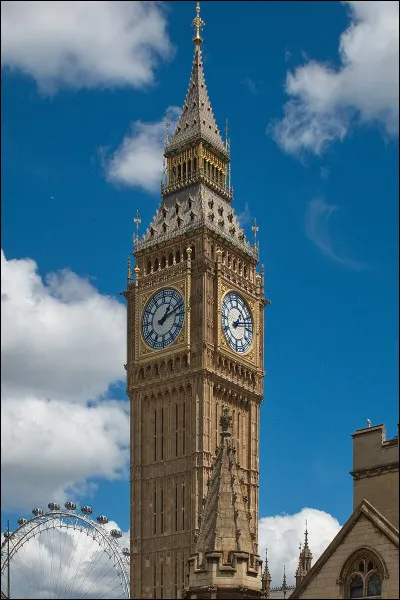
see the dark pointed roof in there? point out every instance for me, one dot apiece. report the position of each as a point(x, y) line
point(225, 522)
point(197, 120)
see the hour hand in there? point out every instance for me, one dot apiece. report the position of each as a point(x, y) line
point(161, 321)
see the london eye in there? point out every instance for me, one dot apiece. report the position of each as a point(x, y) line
point(64, 553)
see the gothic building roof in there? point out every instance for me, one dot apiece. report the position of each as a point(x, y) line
point(364, 508)
point(225, 522)
point(193, 207)
point(197, 202)
point(197, 120)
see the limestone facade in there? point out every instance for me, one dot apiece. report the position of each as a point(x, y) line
point(177, 393)
point(362, 561)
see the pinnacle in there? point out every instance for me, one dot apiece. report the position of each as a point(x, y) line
point(197, 120)
point(225, 525)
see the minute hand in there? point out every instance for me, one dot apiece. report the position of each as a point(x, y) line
point(237, 323)
point(171, 312)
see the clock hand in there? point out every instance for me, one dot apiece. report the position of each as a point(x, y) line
point(236, 323)
point(174, 309)
point(161, 321)
point(168, 313)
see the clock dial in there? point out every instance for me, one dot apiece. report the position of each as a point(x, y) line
point(163, 318)
point(237, 322)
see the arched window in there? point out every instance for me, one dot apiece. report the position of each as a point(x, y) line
point(362, 574)
point(170, 259)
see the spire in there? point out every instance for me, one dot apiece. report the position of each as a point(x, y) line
point(197, 121)
point(225, 523)
point(305, 558)
point(224, 532)
point(284, 584)
point(266, 578)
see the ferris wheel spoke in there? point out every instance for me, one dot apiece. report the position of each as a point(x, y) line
point(91, 568)
point(112, 589)
point(105, 573)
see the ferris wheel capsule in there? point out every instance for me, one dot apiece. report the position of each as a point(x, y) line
point(116, 533)
point(87, 510)
point(53, 506)
point(102, 519)
point(22, 521)
point(37, 512)
point(70, 505)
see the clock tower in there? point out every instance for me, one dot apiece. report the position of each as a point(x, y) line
point(195, 349)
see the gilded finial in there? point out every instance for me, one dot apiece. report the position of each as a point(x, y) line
point(255, 229)
point(198, 25)
point(136, 220)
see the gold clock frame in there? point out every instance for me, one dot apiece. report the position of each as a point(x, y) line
point(144, 351)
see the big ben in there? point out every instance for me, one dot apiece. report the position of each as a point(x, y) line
point(195, 347)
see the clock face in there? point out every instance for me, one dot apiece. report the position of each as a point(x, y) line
point(163, 318)
point(237, 323)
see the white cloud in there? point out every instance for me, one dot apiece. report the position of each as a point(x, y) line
point(317, 230)
point(84, 44)
point(138, 160)
point(282, 534)
point(63, 344)
point(325, 101)
point(65, 563)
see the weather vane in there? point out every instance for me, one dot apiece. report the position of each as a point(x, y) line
point(255, 228)
point(136, 220)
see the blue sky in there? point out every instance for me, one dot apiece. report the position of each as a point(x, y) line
point(314, 151)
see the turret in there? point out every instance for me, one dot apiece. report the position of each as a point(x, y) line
point(266, 578)
point(305, 559)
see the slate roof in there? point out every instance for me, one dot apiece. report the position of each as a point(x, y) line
point(197, 120)
point(225, 524)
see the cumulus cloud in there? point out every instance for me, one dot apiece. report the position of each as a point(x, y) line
point(138, 160)
point(282, 534)
point(84, 44)
point(67, 563)
point(317, 230)
point(63, 344)
point(325, 101)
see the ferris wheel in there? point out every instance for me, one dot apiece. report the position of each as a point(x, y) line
point(64, 554)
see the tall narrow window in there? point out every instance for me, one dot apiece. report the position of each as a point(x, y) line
point(155, 578)
point(162, 510)
point(155, 511)
point(238, 433)
point(184, 429)
point(176, 577)
point(155, 435)
point(183, 569)
point(216, 425)
point(176, 508)
point(162, 580)
point(183, 506)
point(176, 428)
point(162, 433)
